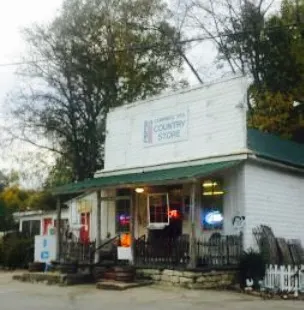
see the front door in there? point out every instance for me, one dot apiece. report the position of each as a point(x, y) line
point(85, 228)
point(48, 222)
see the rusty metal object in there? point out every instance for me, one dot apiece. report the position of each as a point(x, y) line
point(36, 267)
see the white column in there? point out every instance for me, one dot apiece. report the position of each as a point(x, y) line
point(58, 233)
point(193, 223)
point(98, 225)
point(132, 224)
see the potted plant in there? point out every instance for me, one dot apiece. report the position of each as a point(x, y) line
point(252, 268)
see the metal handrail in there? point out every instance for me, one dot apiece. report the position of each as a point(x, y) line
point(104, 244)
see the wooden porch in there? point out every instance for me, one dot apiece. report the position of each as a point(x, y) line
point(217, 252)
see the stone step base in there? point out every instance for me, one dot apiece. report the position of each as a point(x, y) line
point(54, 278)
point(121, 286)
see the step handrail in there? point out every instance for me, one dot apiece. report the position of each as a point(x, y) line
point(104, 244)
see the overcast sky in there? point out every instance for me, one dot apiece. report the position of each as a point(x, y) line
point(15, 15)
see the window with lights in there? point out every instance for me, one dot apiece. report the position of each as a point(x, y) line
point(212, 205)
point(123, 212)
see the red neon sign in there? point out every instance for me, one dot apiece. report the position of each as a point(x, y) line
point(173, 214)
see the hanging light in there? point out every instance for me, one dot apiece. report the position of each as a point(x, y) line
point(214, 193)
point(207, 184)
point(139, 190)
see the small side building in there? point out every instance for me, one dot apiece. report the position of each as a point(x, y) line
point(39, 222)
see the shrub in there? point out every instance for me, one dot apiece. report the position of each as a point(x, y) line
point(1, 253)
point(17, 252)
point(252, 266)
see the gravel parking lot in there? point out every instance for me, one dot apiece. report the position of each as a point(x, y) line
point(19, 296)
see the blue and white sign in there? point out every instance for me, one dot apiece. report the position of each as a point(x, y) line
point(45, 248)
point(214, 217)
point(166, 129)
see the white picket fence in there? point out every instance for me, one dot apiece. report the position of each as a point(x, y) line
point(284, 278)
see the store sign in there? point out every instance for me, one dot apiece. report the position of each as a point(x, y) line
point(214, 217)
point(166, 129)
point(45, 248)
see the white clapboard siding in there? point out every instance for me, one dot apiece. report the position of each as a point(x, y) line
point(215, 126)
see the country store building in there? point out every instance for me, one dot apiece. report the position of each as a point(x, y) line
point(182, 168)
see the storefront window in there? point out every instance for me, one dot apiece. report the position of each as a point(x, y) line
point(212, 205)
point(31, 228)
point(123, 212)
point(158, 208)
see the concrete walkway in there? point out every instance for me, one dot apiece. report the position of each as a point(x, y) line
point(19, 296)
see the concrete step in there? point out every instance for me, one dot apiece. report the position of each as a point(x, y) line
point(121, 286)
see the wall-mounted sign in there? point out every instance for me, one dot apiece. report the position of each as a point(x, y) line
point(84, 206)
point(166, 129)
point(238, 223)
point(213, 217)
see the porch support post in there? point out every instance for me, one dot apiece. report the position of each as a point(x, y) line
point(98, 225)
point(193, 239)
point(132, 226)
point(58, 232)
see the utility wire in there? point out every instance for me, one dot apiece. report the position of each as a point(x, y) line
point(150, 46)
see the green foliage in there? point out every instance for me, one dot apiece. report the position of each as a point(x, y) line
point(269, 47)
point(274, 113)
point(42, 200)
point(1, 253)
point(59, 174)
point(16, 252)
point(14, 199)
point(252, 266)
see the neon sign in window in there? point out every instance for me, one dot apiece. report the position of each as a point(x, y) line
point(211, 219)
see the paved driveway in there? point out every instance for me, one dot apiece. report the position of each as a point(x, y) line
point(20, 296)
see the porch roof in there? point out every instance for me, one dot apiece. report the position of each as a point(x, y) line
point(275, 148)
point(145, 177)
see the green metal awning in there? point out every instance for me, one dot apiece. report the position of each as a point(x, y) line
point(145, 177)
point(275, 148)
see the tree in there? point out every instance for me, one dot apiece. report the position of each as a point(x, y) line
point(59, 174)
point(96, 55)
point(14, 198)
point(275, 113)
point(269, 48)
point(41, 200)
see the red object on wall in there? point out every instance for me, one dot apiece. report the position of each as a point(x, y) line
point(85, 228)
point(46, 224)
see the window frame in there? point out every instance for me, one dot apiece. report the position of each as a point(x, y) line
point(118, 229)
point(166, 194)
point(218, 199)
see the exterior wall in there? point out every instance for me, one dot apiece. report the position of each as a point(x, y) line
point(273, 197)
point(233, 198)
point(75, 216)
point(215, 113)
point(108, 215)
